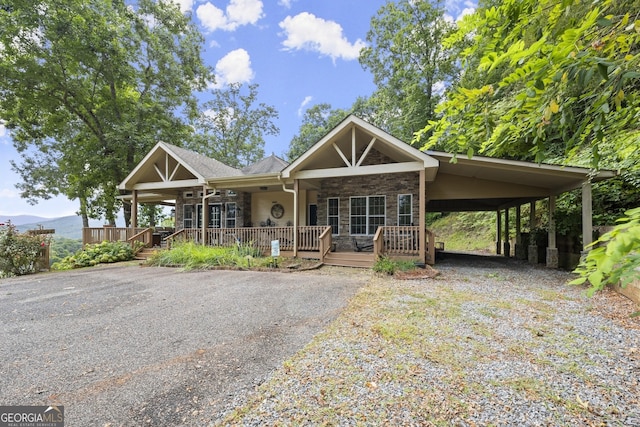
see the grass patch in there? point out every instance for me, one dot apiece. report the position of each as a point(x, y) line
point(191, 256)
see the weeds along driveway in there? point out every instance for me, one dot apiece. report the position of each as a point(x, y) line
point(130, 345)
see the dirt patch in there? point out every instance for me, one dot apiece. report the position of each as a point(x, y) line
point(427, 272)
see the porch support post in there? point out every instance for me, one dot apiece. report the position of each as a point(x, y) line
point(205, 215)
point(587, 217)
point(520, 249)
point(498, 232)
point(134, 209)
point(296, 188)
point(552, 250)
point(507, 241)
point(422, 218)
point(532, 250)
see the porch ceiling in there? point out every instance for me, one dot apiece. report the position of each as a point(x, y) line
point(483, 184)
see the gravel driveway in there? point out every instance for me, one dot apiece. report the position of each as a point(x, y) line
point(130, 345)
point(489, 342)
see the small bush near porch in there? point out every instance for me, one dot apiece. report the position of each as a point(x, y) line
point(190, 255)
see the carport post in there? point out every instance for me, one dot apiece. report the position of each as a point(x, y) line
point(498, 233)
point(507, 243)
point(552, 250)
point(532, 251)
point(519, 250)
point(587, 217)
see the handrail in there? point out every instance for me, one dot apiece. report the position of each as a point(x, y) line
point(170, 238)
point(135, 236)
point(325, 243)
point(147, 237)
point(378, 242)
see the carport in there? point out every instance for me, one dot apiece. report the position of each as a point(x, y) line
point(498, 185)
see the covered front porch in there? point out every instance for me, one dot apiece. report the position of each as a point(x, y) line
point(311, 242)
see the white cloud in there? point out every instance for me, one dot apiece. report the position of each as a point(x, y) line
point(237, 13)
point(234, 67)
point(185, 5)
point(456, 9)
point(305, 31)
point(439, 87)
point(8, 193)
point(285, 3)
point(3, 133)
point(305, 102)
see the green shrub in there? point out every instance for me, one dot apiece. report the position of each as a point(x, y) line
point(20, 254)
point(191, 255)
point(388, 266)
point(100, 253)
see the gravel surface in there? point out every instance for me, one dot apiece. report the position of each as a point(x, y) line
point(489, 341)
point(131, 346)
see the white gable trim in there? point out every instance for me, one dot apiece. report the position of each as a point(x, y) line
point(166, 176)
point(379, 137)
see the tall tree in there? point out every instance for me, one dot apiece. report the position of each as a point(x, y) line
point(409, 64)
point(316, 123)
point(233, 125)
point(89, 86)
point(545, 79)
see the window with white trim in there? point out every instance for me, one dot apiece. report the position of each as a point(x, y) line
point(230, 215)
point(214, 215)
point(366, 214)
point(333, 215)
point(187, 216)
point(405, 209)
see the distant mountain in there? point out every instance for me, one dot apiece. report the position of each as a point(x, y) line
point(23, 219)
point(66, 226)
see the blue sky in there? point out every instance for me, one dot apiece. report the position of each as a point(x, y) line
point(299, 52)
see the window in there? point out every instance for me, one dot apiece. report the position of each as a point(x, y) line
point(231, 215)
point(187, 216)
point(367, 214)
point(214, 216)
point(405, 209)
point(333, 215)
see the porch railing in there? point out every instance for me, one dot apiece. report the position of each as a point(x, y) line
point(260, 237)
point(92, 235)
point(145, 236)
point(404, 241)
point(325, 243)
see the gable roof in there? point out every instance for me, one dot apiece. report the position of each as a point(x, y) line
point(346, 146)
point(269, 164)
point(168, 163)
point(206, 167)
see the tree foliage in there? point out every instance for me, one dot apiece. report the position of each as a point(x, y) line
point(316, 123)
point(232, 126)
point(409, 63)
point(89, 86)
point(615, 258)
point(543, 79)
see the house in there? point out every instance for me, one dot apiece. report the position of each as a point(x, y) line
point(356, 194)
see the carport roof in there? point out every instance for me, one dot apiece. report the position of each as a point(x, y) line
point(483, 183)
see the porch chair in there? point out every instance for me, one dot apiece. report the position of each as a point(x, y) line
point(361, 247)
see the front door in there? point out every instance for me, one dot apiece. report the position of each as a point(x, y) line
point(215, 211)
point(313, 214)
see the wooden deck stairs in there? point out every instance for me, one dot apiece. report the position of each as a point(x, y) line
point(350, 259)
point(146, 253)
